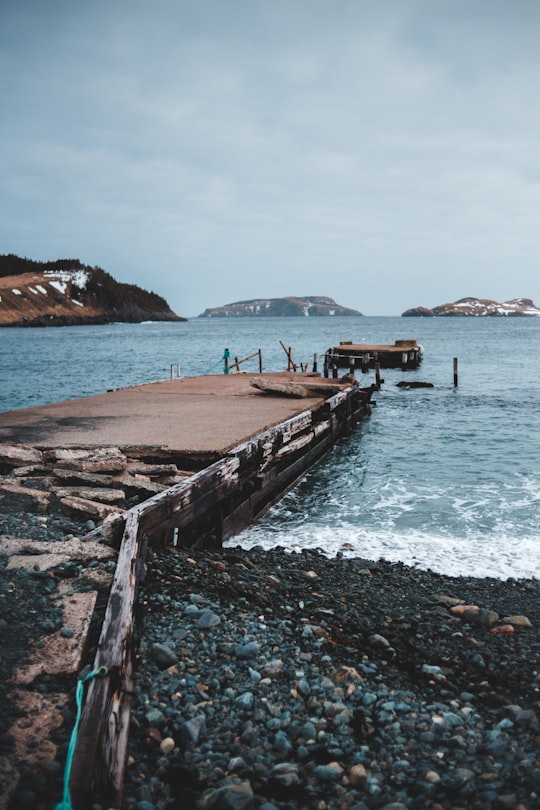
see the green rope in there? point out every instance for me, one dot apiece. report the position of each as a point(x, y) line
point(65, 804)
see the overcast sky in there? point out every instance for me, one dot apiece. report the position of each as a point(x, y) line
point(382, 152)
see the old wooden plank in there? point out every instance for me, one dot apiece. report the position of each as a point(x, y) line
point(295, 445)
point(186, 499)
point(322, 427)
point(284, 431)
point(99, 757)
point(338, 399)
point(275, 482)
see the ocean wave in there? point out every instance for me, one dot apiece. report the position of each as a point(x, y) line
point(502, 557)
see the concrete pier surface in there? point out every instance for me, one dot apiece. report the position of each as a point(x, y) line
point(192, 415)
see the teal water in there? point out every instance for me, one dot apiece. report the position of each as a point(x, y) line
point(444, 478)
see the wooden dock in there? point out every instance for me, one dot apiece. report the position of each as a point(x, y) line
point(404, 354)
point(242, 448)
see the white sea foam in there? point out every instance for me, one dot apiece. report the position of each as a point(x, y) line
point(501, 557)
point(483, 530)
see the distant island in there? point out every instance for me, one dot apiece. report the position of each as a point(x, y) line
point(310, 306)
point(66, 292)
point(477, 307)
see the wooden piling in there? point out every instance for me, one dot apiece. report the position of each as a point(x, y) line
point(291, 365)
point(455, 372)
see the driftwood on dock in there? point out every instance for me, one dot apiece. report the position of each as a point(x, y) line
point(300, 389)
point(205, 509)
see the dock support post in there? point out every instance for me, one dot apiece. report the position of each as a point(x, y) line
point(351, 366)
point(325, 365)
point(260, 361)
point(334, 370)
point(315, 362)
point(455, 372)
point(365, 363)
point(378, 375)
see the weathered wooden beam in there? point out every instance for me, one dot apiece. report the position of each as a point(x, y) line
point(100, 752)
point(185, 500)
point(294, 445)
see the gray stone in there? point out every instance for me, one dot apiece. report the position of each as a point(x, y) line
point(304, 687)
point(308, 731)
point(285, 775)
point(282, 744)
point(230, 797)
point(155, 718)
point(452, 720)
point(163, 656)
point(244, 701)
point(527, 718)
point(191, 730)
point(249, 650)
point(327, 773)
point(208, 619)
point(19, 455)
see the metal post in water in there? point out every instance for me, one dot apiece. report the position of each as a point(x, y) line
point(455, 372)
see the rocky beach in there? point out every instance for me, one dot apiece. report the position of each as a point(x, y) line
point(278, 681)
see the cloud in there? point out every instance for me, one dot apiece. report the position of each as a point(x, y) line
point(222, 150)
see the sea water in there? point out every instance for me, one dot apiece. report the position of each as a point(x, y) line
point(445, 478)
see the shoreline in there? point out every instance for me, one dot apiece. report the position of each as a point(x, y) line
point(300, 681)
point(304, 682)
